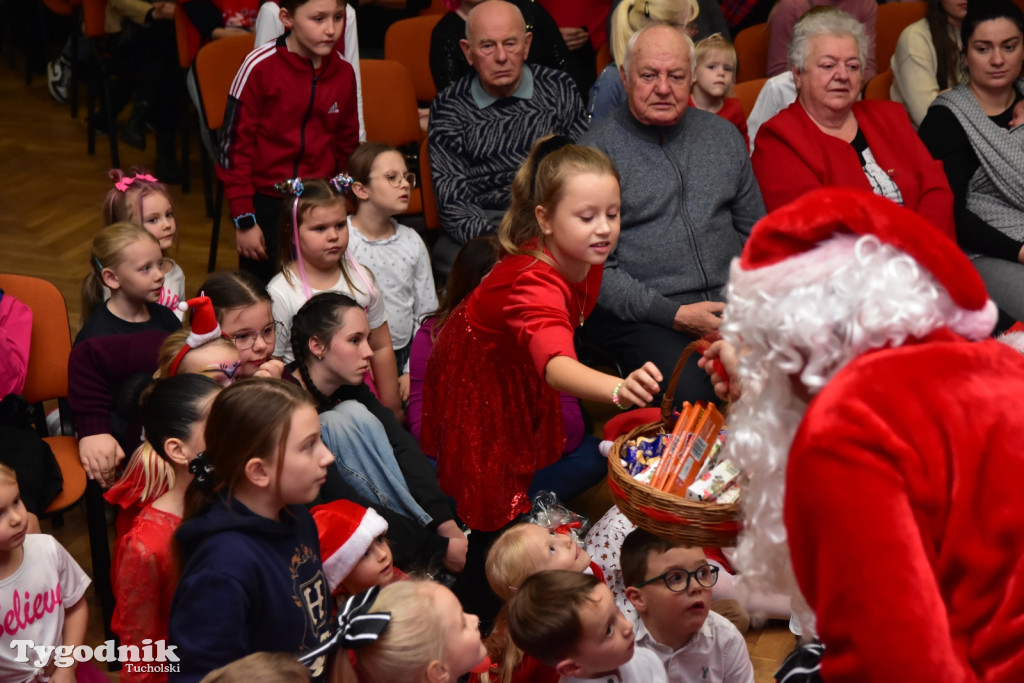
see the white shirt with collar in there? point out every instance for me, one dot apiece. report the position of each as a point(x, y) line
point(643, 668)
point(716, 653)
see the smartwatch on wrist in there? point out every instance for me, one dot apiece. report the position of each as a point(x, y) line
point(245, 222)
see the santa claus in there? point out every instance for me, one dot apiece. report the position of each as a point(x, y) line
point(883, 436)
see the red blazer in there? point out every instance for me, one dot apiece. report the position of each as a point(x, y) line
point(793, 156)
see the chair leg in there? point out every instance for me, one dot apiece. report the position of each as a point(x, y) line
point(90, 111)
point(76, 63)
point(218, 209)
point(99, 548)
point(207, 165)
point(108, 102)
point(186, 174)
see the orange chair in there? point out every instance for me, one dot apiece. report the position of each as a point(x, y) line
point(604, 57)
point(47, 380)
point(878, 87)
point(747, 92)
point(215, 68)
point(408, 41)
point(431, 220)
point(390, 111)
point(94, 26)
point(752, 52)
point(893, 17)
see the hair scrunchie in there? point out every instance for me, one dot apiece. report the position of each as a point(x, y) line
point(357, 627)
point(341, 183)
point(291, 187)
point(201, 470)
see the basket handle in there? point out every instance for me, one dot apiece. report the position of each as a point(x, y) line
point(668, 398)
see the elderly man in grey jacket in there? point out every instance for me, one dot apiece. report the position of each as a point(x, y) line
point(689, 200)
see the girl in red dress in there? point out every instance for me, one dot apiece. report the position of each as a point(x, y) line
point(491, 411)
point(174, 415)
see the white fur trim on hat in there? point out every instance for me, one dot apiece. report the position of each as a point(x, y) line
point(340, 563)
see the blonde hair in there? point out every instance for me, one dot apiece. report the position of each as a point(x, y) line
point(632, 15)
point(541, 181)
point(174, 342)
point(126, 205)
point(413, 638)
point(107, 252)
point(713, 42)
point(508, 564)
point(266, 667)
point(8, 474)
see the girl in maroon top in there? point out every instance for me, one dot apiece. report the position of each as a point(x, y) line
point(713, 78)
point(491, 411)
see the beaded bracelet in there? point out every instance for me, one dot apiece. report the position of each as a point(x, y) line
point(617, 400)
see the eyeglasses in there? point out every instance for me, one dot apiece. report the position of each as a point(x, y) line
point(678, 580)
point(246, 340)
point(395, 178)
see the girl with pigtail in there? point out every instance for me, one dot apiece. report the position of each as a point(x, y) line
point(143, 577)
point(378, 460)
point(137, 197)
point(115, 352)
point(491, 411)
point(251, 577)
point(314, 224)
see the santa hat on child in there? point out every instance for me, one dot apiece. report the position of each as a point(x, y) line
point(346, 530)
point(805, 223)
point(205, 328)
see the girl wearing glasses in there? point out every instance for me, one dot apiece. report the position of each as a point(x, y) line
point(397, 256)
point(242, 307)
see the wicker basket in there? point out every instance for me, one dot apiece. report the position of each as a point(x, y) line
point(667, 515)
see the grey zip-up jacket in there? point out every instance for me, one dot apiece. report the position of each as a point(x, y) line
point(689, 201)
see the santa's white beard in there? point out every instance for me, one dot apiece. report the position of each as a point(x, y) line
point(761, 429)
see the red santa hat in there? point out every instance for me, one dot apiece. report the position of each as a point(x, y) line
point(812, 219)
point(205, 328)
point(346, 530)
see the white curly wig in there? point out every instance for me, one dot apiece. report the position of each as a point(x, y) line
point(795, 324)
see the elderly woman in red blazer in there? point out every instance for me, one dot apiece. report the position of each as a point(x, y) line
point(828, 139)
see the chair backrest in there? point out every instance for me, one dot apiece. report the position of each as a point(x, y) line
point(51, 336)
point(604, 56)
point(408, 41)
point(389, 103)
point(752, 52)
point(181, 28)
point(893, 17)
point(94, 18)
point(430, 218)
point(217, 63)
point(878, 87)
point(747, 92)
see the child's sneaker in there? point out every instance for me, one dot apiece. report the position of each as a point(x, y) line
point(58, 73)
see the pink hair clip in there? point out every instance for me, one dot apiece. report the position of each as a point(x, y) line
point(124, 183)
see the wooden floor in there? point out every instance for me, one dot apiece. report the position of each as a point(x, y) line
point(50, 197)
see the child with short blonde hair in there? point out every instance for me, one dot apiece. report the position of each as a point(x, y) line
point(35, 571)
point(714, 74)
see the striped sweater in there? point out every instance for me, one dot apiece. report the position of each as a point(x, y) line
point(474, 153)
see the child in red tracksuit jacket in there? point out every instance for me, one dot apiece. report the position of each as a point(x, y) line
point(291, 112)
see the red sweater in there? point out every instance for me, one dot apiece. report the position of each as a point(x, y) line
point(905, 516)
point(732, 111)
point(285, 119)
point(793, 156)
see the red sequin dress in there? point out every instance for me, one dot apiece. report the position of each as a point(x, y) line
point(489, 417)
point(144, 583)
